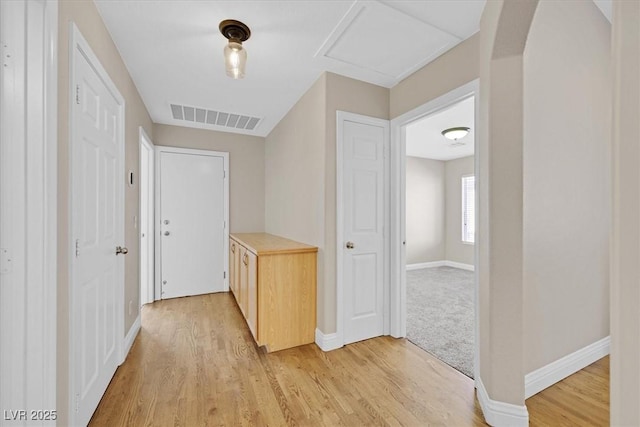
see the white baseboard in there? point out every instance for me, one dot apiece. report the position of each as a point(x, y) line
point(550, 374)
point(460, 265)
point(328, 342)
point(130, 338)
point(422, 265)
point(499, 414)
point(432, 264)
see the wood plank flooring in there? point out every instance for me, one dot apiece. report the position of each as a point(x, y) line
point(581, 399)
point(194, 363)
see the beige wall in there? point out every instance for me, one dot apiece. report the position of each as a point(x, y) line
point(294, 176)
point(625, 277)
point(456, 251)
point(503, 32)
point(246, 169)
point(300, 173)
point(86, 17)
point(450, 71)
point(567, 195)
point(425, 221)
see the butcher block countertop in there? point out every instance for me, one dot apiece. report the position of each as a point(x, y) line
point(269, 244)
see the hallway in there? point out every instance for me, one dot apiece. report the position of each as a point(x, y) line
point(194, 363)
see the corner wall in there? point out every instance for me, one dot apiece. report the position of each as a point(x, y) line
point(295, 175)
point(426, 211)
point(88, 20)
point(300, 173)
point(566, 181)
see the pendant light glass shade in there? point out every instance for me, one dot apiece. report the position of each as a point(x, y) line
point(235, 59)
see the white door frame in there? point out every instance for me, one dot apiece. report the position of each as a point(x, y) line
point(341, 117)
point(158, 227)
point(147, 289)
point(398, 298)
point(28, 196)
point(79, 46)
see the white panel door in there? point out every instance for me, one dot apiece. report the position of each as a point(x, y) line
point(363, 218)
point(97, 228)
point(192, 225)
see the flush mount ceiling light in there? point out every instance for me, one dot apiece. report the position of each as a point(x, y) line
point(455, 134)
point(235, 56)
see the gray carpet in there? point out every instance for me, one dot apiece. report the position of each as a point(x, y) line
point(440, 314)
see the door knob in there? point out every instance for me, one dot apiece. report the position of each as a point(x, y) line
point(166, 233)
point(350, 245)
point(121, 250)
point(166, 222)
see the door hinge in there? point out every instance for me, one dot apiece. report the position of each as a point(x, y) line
point(77, 248)
point(224, 275)
point(224, 225)
point(77, 94)
point(5, 260)
point(77, 403)
point(224, 174)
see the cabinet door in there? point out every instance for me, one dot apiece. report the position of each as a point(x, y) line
point(244, 280)
point(232, 265)
point(252, 291)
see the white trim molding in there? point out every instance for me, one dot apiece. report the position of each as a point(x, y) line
point(328, 342)
point(460, 265)
point(159, 149)
point(498, 413)
point(421, 265)
point(341, 118)
point(28, 207)
point(433, 264)
point(131, 337)
point(538, 380)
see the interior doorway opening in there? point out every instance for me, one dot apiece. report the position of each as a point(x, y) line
point(403, 237)
point(440, 233)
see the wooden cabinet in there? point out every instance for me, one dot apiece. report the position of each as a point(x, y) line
point(275, 288)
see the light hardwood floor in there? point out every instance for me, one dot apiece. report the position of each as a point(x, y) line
point(195, 364)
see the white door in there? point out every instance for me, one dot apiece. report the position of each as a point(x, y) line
point(97, 229)
point(192, 224)
point(146, 220)
point(363, 207)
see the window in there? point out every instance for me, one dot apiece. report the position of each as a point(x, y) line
point(468, 208)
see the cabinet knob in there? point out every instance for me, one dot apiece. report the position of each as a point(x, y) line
point(350, 245)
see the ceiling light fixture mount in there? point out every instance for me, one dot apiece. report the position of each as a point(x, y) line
point(456, 133)
point(235, 56)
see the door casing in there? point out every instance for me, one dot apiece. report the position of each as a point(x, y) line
point(158, 226)
point(79, 46)
point(28, 200)
point(147, 289)
point(341, 117)
point(398, 301)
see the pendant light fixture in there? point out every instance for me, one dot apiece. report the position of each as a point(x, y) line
point(455, 134)
point(235, 56)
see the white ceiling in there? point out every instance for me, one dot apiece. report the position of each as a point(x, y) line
point(173, 49)
point(424, 137)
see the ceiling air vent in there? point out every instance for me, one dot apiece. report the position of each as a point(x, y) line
point(216, 118)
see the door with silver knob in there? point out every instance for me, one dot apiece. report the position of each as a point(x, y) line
point(192, 230)
point(363, 184)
